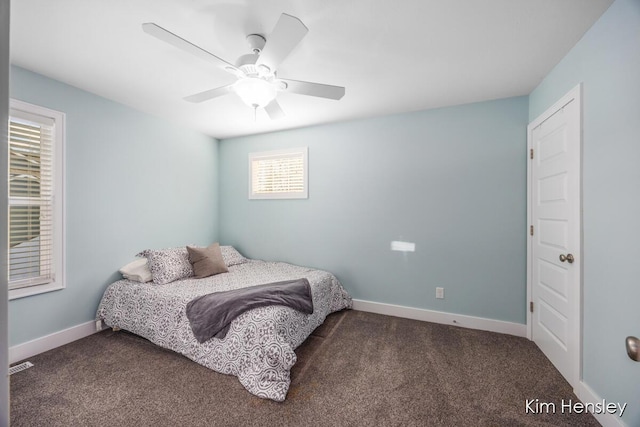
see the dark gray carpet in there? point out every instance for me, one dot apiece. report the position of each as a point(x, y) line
point(356, 369)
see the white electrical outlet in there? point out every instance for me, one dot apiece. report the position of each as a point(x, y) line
point(440, 293)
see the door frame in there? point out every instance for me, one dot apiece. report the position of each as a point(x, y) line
point(575, 335)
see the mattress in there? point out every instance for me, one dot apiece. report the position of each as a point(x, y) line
point(259, 347)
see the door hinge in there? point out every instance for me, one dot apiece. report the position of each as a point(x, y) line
point(531, 153)
point(531, 230)
point(531, 306)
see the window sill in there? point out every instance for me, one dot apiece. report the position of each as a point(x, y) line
point(34, 290)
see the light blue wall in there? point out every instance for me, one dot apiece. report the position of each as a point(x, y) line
point(607, 60)
point(133, 181)
point(451, 180)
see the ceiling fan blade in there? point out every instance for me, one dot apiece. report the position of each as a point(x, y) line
point(289, 31)
point(314, 89)
point(274, 111)
point(182, 44)
point(209, 94)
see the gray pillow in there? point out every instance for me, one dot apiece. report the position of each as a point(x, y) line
point(167, 265)
point(206, 261)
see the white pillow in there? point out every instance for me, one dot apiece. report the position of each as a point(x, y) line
point(137, 271)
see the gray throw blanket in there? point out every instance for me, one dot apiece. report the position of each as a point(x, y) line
point(211, 315)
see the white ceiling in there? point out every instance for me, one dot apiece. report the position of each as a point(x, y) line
point(392, 56)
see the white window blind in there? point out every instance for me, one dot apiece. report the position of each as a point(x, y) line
point(32, 210)
point(279, 174)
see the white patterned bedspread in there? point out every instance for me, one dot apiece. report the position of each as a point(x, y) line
point(258, 348)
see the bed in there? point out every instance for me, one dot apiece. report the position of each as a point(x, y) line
point(259, 345)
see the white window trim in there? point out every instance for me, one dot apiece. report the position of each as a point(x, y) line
point(59, 204)
point(280, 153)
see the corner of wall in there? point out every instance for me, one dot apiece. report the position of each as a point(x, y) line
point(4, 296)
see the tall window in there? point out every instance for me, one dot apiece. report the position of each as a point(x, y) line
point(279, 174)
point(36, 143)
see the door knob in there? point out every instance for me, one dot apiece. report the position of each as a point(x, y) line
point(568, 257)
point(633, 348)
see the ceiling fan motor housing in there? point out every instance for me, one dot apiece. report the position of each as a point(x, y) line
point(247, 64)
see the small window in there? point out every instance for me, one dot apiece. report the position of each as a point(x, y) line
point(279, 174)
point(36, 141)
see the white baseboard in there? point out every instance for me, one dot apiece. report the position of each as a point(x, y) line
point(51, 341)
point(585, 394)
point(434, 316)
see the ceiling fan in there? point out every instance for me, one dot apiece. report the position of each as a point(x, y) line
point(257, 82)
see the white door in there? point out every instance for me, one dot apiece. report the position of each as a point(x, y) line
point(555, 255)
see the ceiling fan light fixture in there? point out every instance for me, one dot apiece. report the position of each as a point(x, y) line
point(257, 82)
point(255, 92)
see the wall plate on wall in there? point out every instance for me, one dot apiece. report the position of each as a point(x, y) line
point(397, 245)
